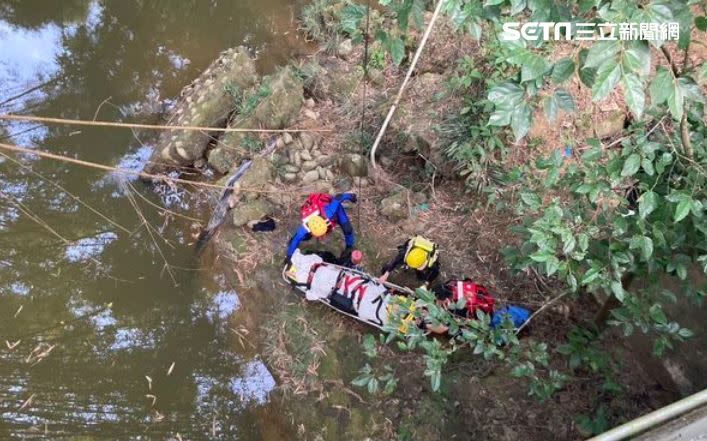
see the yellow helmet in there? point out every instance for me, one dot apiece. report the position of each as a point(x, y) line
point(416, 258)
point(317, 226)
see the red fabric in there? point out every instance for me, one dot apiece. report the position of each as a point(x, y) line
point(477, 297)
point(316, 203)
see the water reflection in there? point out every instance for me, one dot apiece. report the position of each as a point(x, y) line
point(90, 309)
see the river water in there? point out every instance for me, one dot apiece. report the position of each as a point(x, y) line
point(110, 327)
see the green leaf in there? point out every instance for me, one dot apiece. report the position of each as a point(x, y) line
point(657, 314)
point(701, 23)
point(647, 203)
point(533, 68)
point(682, 209)
point(647, 166)
point(637, 58)
point(634, 94)
point(661, 85)
point(552, 265)
point(618, 290)
point(517, 6)
point(520, 121)
point(591, 275)
point(675, 100)
point(588, 75)
point(631, 165)
point(647, 247)
point(608, 77)
point(565, 100)
point(531, 199)
point(690, 90)
point(500, 117)
point(600, 53)
point(562, 70)
point(685, 333)
point(507, 92)
point(397, 50)
point(541, 256)
point(351, 17)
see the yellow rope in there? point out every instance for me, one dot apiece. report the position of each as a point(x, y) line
point(43, 154)
point(79, 122)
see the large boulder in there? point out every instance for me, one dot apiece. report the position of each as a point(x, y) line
point(205, 102)
point(354, 165)
point(280, 108)
point(336, 79)
point(232, 146)
point(258, 176)
point(248, 211)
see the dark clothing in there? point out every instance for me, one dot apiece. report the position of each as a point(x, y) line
point(427, 275)
point(336, 212)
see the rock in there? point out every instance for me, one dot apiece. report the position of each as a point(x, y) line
point(326, 160)
point(221, 159)
point(329, 175)
point(308, 165)
point(257, 177)
point(305, 155)
point(309, 103)
point(376, 77)
point(297, 159)
point(337, 80)
point(277, 197)
point(308, 140)
point(343, 184)
point(395, 207)
point(345, 48)
point(354, 165)
point(322, 173)
point(289, 177)
point(249, 211)
point(281, 107)
point(612, 124)
point(182, 148)
point(322, 187)
point(291, 168)
point(200, 163)
point(310, 177)
point(280, 143)
point(287, 138)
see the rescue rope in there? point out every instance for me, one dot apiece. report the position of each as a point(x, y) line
point(163, 178)
point(363, 106)
point(80, 122)
point(415, 59)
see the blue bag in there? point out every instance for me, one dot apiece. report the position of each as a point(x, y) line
point(517, 315)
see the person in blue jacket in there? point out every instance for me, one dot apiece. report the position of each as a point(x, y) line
point(320, 214)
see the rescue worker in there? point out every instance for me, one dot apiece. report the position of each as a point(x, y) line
point(476, 297)
point(320, 214)
point(418, 254)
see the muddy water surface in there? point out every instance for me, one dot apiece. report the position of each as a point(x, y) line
point(110, 327)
